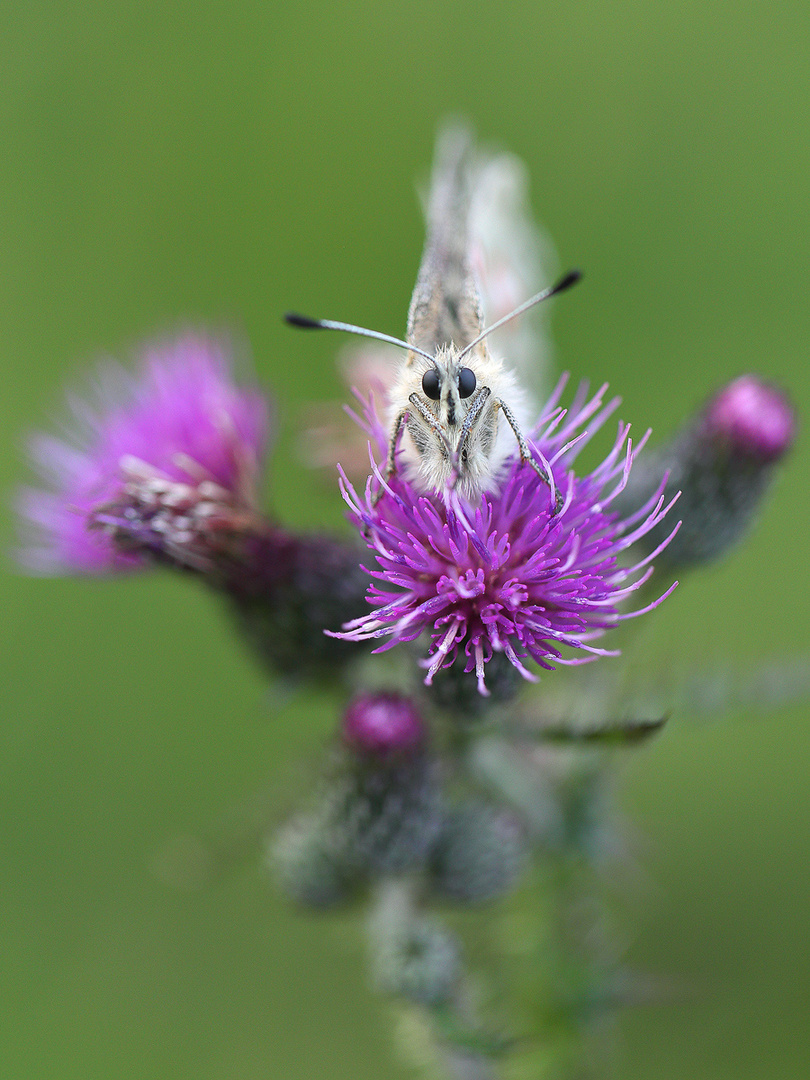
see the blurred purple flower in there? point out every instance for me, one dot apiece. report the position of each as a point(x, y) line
point(507, 574)
point(149, 463)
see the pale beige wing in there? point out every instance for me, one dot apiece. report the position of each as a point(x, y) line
point(446, 306)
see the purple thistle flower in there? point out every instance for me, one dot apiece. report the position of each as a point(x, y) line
point(160, 462)
point(506, 574)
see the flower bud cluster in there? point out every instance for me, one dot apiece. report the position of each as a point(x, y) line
point(384, 812)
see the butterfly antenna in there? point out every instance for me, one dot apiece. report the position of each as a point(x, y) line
point(305, 323)
point(571, 278)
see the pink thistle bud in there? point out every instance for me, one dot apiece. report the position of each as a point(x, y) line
point(383, 725)
point(753, 419)
point(722, 461)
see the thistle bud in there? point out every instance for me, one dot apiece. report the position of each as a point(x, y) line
point(308, 861)
point(722, 462)
point(479, 854)
point(752, 420)
point(413, 955)
point(388, 799)
point(378, 811)
point(383, 726)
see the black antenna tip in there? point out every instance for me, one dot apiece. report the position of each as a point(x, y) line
point(302, 321)
point(571, 278)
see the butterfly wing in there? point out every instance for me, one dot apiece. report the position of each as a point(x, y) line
point(446, 305)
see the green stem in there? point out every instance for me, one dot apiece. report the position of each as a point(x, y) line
point(559, 976)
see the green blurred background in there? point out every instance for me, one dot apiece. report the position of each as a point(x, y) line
point(166, 164)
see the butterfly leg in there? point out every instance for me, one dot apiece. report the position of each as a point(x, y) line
point(390, 461)
point(525, 451)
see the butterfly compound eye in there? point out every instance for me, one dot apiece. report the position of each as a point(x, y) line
point(466, 382)
point(431, 385)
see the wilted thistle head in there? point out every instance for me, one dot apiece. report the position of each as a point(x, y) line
point(505, 574)
point(160, 462)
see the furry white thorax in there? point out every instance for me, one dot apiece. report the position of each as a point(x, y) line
point(423, 455)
